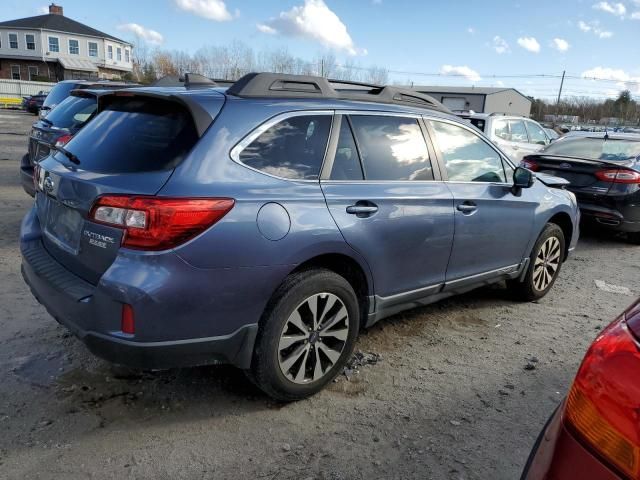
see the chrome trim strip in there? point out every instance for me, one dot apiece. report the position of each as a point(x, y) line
point(500, 271)
point(251, 136)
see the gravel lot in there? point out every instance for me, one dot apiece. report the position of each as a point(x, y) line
point(450, 399)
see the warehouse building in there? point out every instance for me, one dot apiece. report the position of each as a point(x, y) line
point(480, 99)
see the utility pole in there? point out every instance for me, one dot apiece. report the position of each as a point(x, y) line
point(322, 67)
point(561, 85)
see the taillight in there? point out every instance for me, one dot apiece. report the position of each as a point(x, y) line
point(603, 406)
point(158, 223)
point(63, 140)
point(618, 175)
point(529, 163)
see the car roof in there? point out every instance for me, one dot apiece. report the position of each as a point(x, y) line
point(600, 135)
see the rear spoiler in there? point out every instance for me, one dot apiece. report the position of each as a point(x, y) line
point(201, 117)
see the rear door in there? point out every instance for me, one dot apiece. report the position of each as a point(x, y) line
point(492, 225)
point(131, 147)
point(384, 192)
point(511, 135)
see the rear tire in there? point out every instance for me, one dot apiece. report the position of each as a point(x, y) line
point(544, 266)
point(306, 335)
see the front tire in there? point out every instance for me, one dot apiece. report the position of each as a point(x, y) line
point(306, 335)
point(544, 266)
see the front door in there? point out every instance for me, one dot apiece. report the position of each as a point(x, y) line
point(389, 203)
point(492, 225)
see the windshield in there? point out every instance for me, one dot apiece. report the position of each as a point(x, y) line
point(72, 112)
point(134, 135)
point(611, 150)
point(58, 93)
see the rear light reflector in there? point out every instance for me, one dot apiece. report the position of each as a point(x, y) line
point(158, 223)
point(618, 175)
point(529, 163)
point(128, 322)
point(603, 406)
point(63, 140)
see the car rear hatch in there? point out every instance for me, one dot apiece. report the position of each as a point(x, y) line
point(131, 147)
point(40, 139)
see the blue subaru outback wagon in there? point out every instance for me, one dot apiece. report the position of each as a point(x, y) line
point(265, 224)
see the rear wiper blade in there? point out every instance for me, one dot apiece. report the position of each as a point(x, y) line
point(68, 154)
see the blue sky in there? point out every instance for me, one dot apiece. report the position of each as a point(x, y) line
point(480, 43)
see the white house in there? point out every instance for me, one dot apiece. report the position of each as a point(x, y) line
point(55, 47)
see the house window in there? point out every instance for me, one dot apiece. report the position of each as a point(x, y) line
point(119, 54)
point(93, 49)
point(13, 40)
point(110, 52)
point(33, 72)
point(74, 47)
point(54, 44)
point(15, 72)
point(31, 41)
point(127, 58)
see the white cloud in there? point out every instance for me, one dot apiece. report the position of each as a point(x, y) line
point(617, 9)
point(529, 43)
point(462, 70)
point(594, 27)
point(635, 15)
point(210, 9)
point(315, 21)
point(500, 45)
point(43, 10)
point(146, 34)
point(471, 30)
point(560, 44)
point(624, 79)
point(376, 2)
point(266, 29)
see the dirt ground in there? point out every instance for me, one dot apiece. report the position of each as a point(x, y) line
point(450, 399)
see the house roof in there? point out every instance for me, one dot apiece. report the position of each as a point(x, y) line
point(58, 23)
point(464, 90)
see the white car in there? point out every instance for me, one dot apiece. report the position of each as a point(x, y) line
point(516, 136)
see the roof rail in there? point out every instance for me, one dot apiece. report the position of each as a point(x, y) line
point(280, 85)
point(189, 80)
point(504, 114)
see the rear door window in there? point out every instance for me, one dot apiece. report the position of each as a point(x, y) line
point(536, 134)
point(518, 131)
point(467, 157)
point(392, 148)
point(134, 135)
point(293, 148)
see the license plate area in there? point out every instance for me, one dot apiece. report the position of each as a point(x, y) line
point(62, 224)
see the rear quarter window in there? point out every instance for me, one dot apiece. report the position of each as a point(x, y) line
point(293, 148)
point(133, 135)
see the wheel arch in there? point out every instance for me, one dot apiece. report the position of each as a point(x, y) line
point(350, 269)
point(563, 220)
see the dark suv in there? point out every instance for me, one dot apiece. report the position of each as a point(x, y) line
point(264, 225)
point(57, 128)
point(64, 88)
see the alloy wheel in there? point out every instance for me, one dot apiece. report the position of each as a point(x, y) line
point(546, 264)
point(313, 338)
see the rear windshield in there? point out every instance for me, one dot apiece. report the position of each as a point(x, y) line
point(611, 150)
point(134, 135)
point(58, 93)
point(72, 112)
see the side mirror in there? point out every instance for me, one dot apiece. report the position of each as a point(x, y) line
point(523, 178)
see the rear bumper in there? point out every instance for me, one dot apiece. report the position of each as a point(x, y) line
point(184, 316)
point(558, 455)
point(625, 217)
point(26, 175)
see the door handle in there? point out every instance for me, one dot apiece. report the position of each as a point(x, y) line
point(467, 207)
point(362, 209)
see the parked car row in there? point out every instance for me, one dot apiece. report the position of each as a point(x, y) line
point(265, 224)
point(33, 103)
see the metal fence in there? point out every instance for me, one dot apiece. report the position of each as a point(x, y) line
point(22, 88)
